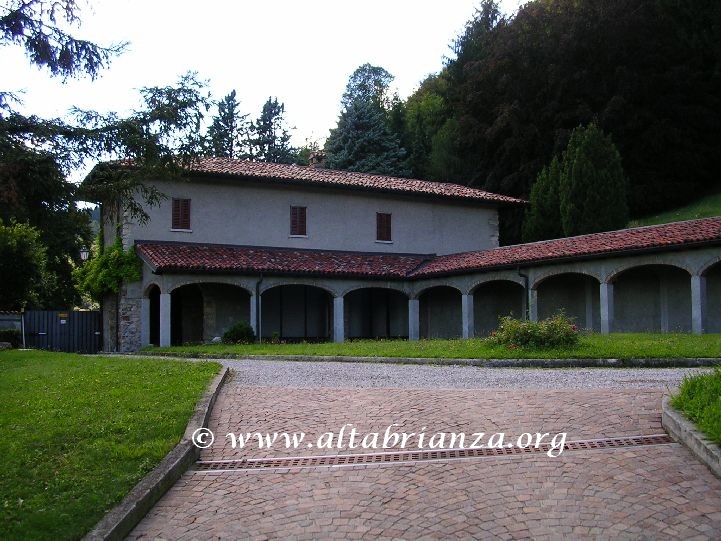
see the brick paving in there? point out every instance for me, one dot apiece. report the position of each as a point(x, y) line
point(656, 492)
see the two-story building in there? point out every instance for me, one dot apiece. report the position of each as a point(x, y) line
point(303, 253)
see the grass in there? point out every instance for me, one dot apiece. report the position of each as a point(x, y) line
point(79, 432)
point(703, 208)
point(699, 398)
point(595, 346)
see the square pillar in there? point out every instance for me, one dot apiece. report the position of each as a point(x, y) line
point(414, 320)
point(164, 319)
point(606, 301)
point(338, 320)
point(467, 315)
point(253, 316)
point(144, 322)
point(533, 305)
point(698, 304)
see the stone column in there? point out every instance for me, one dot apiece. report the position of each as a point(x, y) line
point(253, 316)
point(414, 320)
point(338, 320)
point(467, 315)
point(606, 301)
point(533, 305)
point(164, 319)
point(698, 304)
point(144, 322)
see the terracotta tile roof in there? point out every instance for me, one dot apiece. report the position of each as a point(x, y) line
point(177, 257)
point(624, 240)
point(344, 179)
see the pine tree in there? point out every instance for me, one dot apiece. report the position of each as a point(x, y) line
point(543, 218)
point(229, 132)
point(366, 138)
point(271, 141)
point(592, 187)
point(362, 142)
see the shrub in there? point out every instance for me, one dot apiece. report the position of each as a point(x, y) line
point(239, 333)
point(556, 331)
point(13, 336)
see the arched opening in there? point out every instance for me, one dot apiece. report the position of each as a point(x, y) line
point(495, 299)
point(154, 317)
point(576, 294)
point(652, 298)
point(296, 312)
point(376, 312)
point(186, 315)
point(223, 306)
point(713, 299)
point(440, 312)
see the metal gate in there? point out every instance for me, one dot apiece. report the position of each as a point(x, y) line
point(63, 330)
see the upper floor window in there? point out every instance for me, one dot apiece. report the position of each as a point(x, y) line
point(383, 227)
point(181, 214)
point(297, 222)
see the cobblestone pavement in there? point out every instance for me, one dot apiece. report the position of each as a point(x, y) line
point(653, 492)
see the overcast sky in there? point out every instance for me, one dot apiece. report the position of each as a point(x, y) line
point(300, 51)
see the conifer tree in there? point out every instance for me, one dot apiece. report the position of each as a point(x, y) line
point(592, 187)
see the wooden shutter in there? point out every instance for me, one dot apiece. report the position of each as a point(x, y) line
point(297, 221)
point(383, 227)
point(181, 214)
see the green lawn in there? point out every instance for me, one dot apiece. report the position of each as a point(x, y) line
point(591, 346)
point(699, 398)
point(78, 432)
point(703, 208)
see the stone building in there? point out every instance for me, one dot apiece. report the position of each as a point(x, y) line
point(303, 253)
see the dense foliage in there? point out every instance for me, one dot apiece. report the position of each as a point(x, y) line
point(647, 71)
point(22, 266)
point(229, 132)
point(240, 333)
point(106, 271)
point(558, 331)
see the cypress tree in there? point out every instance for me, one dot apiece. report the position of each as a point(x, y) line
point(592, 186)
point(543, 218)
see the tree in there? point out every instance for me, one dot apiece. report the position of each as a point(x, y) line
point(34, 190)
point(368, 83)
point(592, 186)
point(229, 133)
point(647, 71)
point(364, 139)
point(160, 138)
point(362, 142)
point(22, 265)
point(543, 217)
point(271, 140)
point(34, 26)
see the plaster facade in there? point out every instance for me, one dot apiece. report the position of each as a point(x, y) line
point(253, 214)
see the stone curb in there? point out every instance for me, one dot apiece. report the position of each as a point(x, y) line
point(486, 363)
point(120, 520)
point(684, 431)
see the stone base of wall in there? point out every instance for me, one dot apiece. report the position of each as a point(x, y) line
point(121, 323)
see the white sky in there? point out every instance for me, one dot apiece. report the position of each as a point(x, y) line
point(300, 51)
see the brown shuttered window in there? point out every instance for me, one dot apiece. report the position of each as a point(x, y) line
point(297, 221)
point(181, 214)
point(383, 227)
